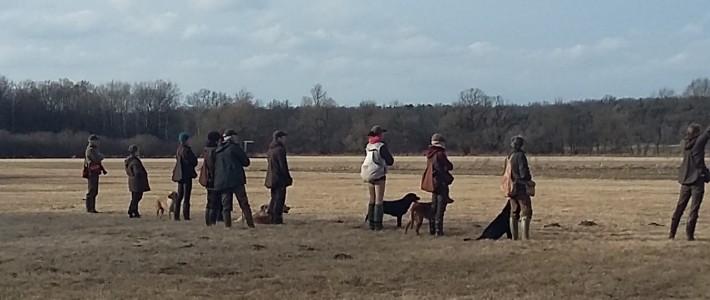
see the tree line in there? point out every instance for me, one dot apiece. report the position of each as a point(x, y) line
point(53, 119)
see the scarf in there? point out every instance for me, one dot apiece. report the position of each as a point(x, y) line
point(375, 139)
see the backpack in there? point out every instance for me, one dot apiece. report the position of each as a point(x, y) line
point(373, 167)
point(507, 186)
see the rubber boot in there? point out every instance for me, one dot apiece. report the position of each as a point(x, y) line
point(227, 217)
point(378, 215)
point(514, 227)
point(526, 228)
point(432, 227)
point(371, 215)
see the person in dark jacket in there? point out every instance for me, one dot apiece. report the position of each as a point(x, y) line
point(137, 180)
point(692, 176)
point(213, 209)
point(93, 167)
point(520, 203)
point(278, 177)
point(374, 172)
point(436, 179)
point(227, 162)
point(183, 174)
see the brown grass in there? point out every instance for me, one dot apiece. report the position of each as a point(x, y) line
point(50, 249)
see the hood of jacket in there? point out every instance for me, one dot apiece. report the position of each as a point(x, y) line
point(433, 150)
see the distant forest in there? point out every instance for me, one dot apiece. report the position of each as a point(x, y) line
point(54, 118)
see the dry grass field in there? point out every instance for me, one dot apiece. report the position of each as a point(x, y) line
point(51, 249)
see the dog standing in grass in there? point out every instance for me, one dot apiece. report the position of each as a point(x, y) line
point(163, 204)
point(420, 211)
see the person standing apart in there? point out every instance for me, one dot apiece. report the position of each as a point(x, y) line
point(206, 179)
point(183, 174)
point(93, 168)
point(520, 201)
point(137, 180)
point(374, 172)
point(228, 161)
point(436, 180)
point(278, 177)
point(692, 176)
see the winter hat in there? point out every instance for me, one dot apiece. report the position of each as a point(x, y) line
point(213, 136)
point(93, 137)
point(183, 137)
point(438, 137)
point(279, 133)
point(376, 130)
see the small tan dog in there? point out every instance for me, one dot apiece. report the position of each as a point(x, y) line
point(262, 215)
point(163, 204)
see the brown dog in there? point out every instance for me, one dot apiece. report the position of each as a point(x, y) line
point(162, 204)
point(419, 211)
point(262, 215)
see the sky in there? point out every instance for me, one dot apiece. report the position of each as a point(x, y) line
point(410, 51)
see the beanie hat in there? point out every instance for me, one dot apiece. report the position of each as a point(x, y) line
point(183, 137)
point(213, 136)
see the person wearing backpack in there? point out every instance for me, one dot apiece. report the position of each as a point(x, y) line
point(692, 176)
point(374, 172)
point(521, 189)
point(213, 209)
point(436, 179)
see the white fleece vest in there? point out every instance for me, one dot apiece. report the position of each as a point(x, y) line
point(374, 166)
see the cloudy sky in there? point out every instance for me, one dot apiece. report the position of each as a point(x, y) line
point(412, 51)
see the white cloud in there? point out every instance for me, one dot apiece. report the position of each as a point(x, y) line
point(193, 30)
point(154, 23)
point(483, 48)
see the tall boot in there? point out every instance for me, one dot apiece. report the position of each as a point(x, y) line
point(227, 217)
point(176, 212)
point(526, 228)
point(371, 215)
point(690, 230)
point(432, 226)
point(379, 213)
point(674, 228)
point(514, 227)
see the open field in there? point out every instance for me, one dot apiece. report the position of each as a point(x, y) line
point(50, 249)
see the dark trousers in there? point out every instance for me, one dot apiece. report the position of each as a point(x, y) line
point(276, 205)
point(696, 191)
point(228, 204)
point(183, 198)
point(439, 201)
point(93, 191)
point(214, 206)
point(135, 199)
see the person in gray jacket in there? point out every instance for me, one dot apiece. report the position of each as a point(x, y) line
point(520, 203)
point(692, 176)
point(227, 162)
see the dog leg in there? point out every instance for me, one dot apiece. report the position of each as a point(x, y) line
point(399, 221)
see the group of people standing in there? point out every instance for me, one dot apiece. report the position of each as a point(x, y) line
point(222, 175)
point(437, 178)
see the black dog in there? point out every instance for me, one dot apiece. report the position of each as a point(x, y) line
point(398, 208)
point(499, 226)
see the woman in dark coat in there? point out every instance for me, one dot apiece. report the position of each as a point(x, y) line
point(213, 211)
point(137, 180)
point(183, 174)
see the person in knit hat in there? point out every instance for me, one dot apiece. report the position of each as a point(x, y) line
point(213, 210)
point(137, 180)
point(183, 174)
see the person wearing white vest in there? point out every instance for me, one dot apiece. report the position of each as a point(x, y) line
point(374, 172)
